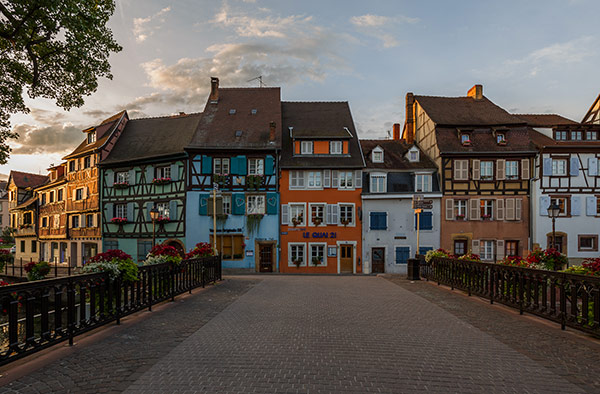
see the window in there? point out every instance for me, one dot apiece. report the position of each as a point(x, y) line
point(255, 204)
point(306, 147)
point(465, 138)
point(563, 203)
point(163, 209)
point(22, 246)
point(75, 221)
point(59, 195)
point(256, 167)
point(591, 135)
point(227, 204)
point(91, 137)
point(51, 197)
point(346, 214)
point(500, 138)
point(378, 220)
point(44, 222)
point(89, 221)
point(144, 248)
point(314, 179)
point(122, 177)
point(460, 209)
point(317, 214)
point(346, 179)
point(79, 194)
point(461, 170)
point(413, 156)
point(425, 221)
point(486, 209)
point(512, 248)
point(560, 135)
point(377, 155)
point(335, 147)
point(163, 172)
point(33, 246)
point(72, 166)
point(28, 218)
point(512, 169)
point(378, 183)
point(296, 179)
point(558, 245)
point(120, 210)
point(296, 253)
point(402, 254)
point(230, 247)
point(422, 183)
point(487, 250)
point(317, 251)
point(487, 170)
point(221, 166)
point(559, 167)
point(43, 198)
point(576, 135)
point(297, 215)
point(588, 243)
point(87, 162)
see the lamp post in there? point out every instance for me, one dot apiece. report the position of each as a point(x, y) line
point(553, 212)
point(154, 214)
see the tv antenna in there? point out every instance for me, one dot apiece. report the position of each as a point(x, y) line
point(260, 81)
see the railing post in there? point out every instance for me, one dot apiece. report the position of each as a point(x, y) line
point(563, 303)
point(149, 289)
point(21, 271)
point(469, 279)
point(521, 285)
point(190, 276)
point(117, 285)
point(71, 310)
point(172, 283)
point(55, 267)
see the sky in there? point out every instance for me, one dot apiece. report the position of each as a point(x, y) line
point(533, 56)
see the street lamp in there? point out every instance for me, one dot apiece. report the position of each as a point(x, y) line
point(553, 212)
point(154, 214)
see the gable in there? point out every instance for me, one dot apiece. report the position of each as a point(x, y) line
point(593, 114)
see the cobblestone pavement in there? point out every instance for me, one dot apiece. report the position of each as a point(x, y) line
point(344, 334)
point(569, 354)
point(113, 363)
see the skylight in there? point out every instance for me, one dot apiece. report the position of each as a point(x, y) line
point(238, 133)
point(232, 111)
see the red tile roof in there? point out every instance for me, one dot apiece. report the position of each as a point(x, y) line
point(394, 155)
point(544, 120)
point(518, 139)
point(24, 179)
point(103, 133)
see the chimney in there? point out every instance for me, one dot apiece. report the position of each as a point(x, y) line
point(476, 92)
point(396, 131)
point(214, 90)
point(409, 130)
point(272, 131)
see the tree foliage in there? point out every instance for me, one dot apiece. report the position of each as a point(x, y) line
point(55, 49)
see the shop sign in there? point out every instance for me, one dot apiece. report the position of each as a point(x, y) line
point(319, 234)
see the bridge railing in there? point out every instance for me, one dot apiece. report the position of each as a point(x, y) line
point(569, 299)
point(39, 314)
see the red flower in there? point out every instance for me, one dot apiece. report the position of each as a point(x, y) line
point(109, 255)
point(202, 249)
point(164, 250)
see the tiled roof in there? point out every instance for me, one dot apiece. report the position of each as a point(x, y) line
point(394, 155)
point(103, 133)
point(244, 129)
point(544, 120)
point(153, 137)
point(24, 179)
point(465, 111)
point(518, 139)
point(323, 119)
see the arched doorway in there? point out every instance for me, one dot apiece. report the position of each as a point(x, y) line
point(177, 244)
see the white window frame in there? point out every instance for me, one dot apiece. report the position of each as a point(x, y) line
point(77, 191)
point(297, 177)
point(255, 204)
point(163, 172)
point(500, 138)
point(486, 254)
point(346, 176)
point(122, 177)
point(314, 179)
point(73, 219)
point(256, 166)
point(341, 216)
point(374, 179)
point(91, 137)
point(321, 205)
point(121, 207)
point(459, 207)
point(377, 155)
point(310, 253)
point(486, 170)
point(221, 166)
point(336, 147)
point(486, 207)
point(512, 169)
point(226, 202)
point(306, 147)
point(413, 155)
point(297, 244)
point(559, 167)
point(465, 137)
point(293, 212)
point(163, 208)
point(56, 220)
point(420, 185)
point(565, 204)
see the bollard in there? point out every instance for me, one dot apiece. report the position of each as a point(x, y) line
point(414, 266)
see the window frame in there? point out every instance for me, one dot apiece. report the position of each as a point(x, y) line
point(317, 205)
point(377, 151)
point(298, 176)
point(253, 167)
point(344, 215)
point(566, 167)
point(593, 237)
point(323, 247)
point(338, 144)
point(486, 209)
point(291, 246)
point(257, 197)
point(163, 208)
point(314, 174)
point(122, 177)
point(423, 177)
point(162, 172)
point(219, 162)
point(306, 148)
point(343, 175)
point(120, 207)
point(483, 252)
point(377, 176)
point(458, 207)
point(91, 137)
point(512, 165)
point(293, 212)
point(565, 207)
point(491, 165)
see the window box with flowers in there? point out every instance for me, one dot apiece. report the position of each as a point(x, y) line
point(466, 143)
point(297, 220)
point(317, 221)
point(121, 185)
point(345, 222)
point(297, 262)
point(460, 217)
point(220, 179)
point(118, 220)
point(254, 181)
point(161, 181)
point(317, 261)
point(163, 220)
point(486, 217)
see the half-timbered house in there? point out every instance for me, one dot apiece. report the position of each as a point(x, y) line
point(52, 223)
point(236, 147)
point(147, 169)
point(593, 114)
point(484, 156)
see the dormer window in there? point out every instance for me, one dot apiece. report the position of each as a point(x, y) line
point(465, 139)
point(335, 147)
point(560, 135)
point(306, 147)
point(422, 183)
point(91, 137)
point(254, 111)
point(500, 139)
point(232, 111)
point(413, 155)
point(377, 155)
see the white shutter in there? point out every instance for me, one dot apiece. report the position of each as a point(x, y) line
point(544, 204)
point(499, 209)
point(499, 249)
point(334, 179)
point(465, 170)
point(457, 166)
point(475, 246)
point(328, 214)
point(593, 166)
point(358, 179)
point(510, 209)
point(450, 209)
point(518, 208)
point(85, 192)
point(326, 178)
point(591, 208)
point(285, 220)
point(82, 222)
point(95, 220)
point(525, 169)
point(334, 214)
point(500, 169)
point(476, 170)
point(475, 210)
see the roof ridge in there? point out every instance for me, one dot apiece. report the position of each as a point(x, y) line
point(169, 116)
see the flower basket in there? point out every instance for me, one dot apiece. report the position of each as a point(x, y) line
point(316, 261)
point(161, 181)
point(486, 217)
point(297, 263)
point(460, 217)
point(502, 143)
point(221, 179)
point(466, 143)
point(317, 221)
point(297, 220)
point(254, 181)
point(345, 222)
point(118, 220)
point(222, 216)
point(253, 222)
point(121, 185)
point(162, 220)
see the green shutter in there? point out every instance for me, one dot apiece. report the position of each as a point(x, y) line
point(272, 203)
point(203, 204)
point(206, 164)
point(238, 200)
point(269, 165)
point(241, 164)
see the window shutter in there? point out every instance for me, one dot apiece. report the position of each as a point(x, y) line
point(510, 209)
point(203, 208)
point(593, 166)
point(450, 209)
point(499, 249)
point(131, 177)
point(544, 204)
point(149, 206)
point(499, 209)
point(108, 211)
point(74, 194)
point(334, 214)
point(575, 205)
point(173, 210)
point(465, 170)
point(207, 164)
point(86, 191)
point(574, 170)
point(474, 212)
point(285, 219)
point(149, 174)
point(241, 165)
point(525, 169)
point(272, 203)
point(174, 172)
point(358, 179)
point(130, 208)
point(590, 205)
point(326, 178)
point(233, 166)
point(475, 246)
point(547, 166)
point(269, 165)
point(425, 221)
point(476, 170)
point(457, 167)
point(238, 201)
point(500, 169)
point(334, 179)
point(110, 178)
point(328, 210)
point(518, 208)
point(94, 220)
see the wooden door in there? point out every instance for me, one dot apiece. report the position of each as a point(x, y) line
point(265, 258)
point(346, 258)
point(378, 260)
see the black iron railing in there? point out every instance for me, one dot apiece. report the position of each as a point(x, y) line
point(39, 314)
point(569, 299)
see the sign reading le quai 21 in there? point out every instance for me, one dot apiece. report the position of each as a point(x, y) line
point(319, 234)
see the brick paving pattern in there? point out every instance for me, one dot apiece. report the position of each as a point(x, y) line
point(292, 334)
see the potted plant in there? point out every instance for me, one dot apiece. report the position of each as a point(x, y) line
point(118, 220)
point(316, 261)
point(317, 221)
point(297, 262)
point(220, 179)
point(345, 222)
point(162, 220)
point(297, 220)
point(254, 181)
point(161, 181)
point(121, 185)
point(37, 271)
point(460, 216)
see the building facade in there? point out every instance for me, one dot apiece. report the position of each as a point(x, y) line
point(395, 172)
point(236, 147)
point(4, 212)
point(52, 223)
point(320, 186)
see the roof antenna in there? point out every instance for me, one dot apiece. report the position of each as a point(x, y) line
point(389, 133)
point(260, 81)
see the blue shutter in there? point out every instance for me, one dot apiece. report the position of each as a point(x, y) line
point(574, 170)
point(206, 164)
point(272, 203)
point(241, 165)
point(591, 207)
point(547, 166)
point(402, 254)
point(108, 212)
point(234, 166)
point(110, 178)
point(130, 211)
point(238, 201)
point(575, 205)
point(426, 221)
point(383, 221)
point(378, 220)
point(593, 166)
point(149, 174)
point(269, 165)
point(203, 204)
point(149, 206)
point(174, 172)
point(197, 163)
point(173, 210)
point(424, 249)
point(544, 204)
point(132, 177)
point(372, 220)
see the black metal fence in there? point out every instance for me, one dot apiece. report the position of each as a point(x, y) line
point(569, 299)
point(39, 314)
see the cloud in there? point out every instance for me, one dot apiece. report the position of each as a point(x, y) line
point(381, 27)
point(144, 27)
point(50, 138)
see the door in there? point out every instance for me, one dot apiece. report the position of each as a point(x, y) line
point(378, 260)
point(460, 247)
point(346, 258)
point(266, 258)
